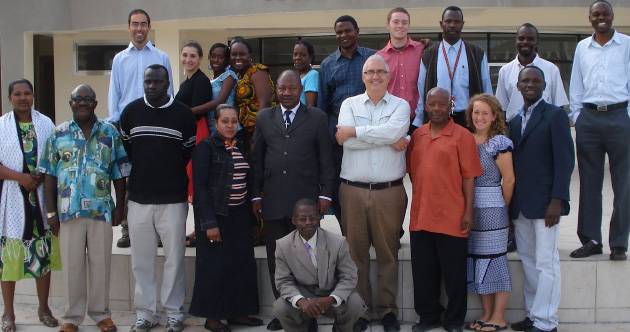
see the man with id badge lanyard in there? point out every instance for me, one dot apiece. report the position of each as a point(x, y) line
point(458, 66)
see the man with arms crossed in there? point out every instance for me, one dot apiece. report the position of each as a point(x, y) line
point(372, 127)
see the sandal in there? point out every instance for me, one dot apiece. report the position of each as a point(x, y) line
point(107, 325)
point(48, 319)
point(495, 327)
point(68, 327)
point(471, 326)
point(8, 323)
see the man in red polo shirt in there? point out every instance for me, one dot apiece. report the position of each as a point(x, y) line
point(443, 161)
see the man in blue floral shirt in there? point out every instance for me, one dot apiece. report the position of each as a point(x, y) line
point(82, 157)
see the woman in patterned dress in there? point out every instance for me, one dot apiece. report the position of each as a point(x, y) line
point(488, 272)
point(254, 90)
point(28, 248)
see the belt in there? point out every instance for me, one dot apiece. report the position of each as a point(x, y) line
point(605, 108)
point(374, 185)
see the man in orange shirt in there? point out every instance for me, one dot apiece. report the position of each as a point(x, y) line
point(443, 161)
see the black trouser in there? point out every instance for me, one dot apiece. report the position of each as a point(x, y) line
point(435, 256)
point(460, 119)
point(275, 230)
point(336, 206)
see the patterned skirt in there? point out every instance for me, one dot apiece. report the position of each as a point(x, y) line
point(21, 259)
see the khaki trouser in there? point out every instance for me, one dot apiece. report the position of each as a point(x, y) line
point(374, 217)
point(82, 270)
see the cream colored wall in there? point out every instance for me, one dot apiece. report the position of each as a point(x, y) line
point(66, 79)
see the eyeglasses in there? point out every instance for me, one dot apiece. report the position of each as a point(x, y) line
point(87, 100)
point(309, 218)
point(377, 72)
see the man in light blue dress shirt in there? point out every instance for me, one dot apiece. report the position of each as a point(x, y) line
point(126, 81)
point(455, 65)
point(599, 94)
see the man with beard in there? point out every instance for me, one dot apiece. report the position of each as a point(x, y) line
point(291, 158)
point(600, 90)
point(340, 78)
point(458, 66)
point(508, 95)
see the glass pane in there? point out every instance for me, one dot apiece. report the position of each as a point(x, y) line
point(494, 75)
point(96, 57)
point(479, 39)
point(557, 47)
point(502, 48)
point(278, 51)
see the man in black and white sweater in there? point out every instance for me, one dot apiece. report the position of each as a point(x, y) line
point(159, 135)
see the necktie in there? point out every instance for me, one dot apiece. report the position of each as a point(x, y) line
point(287, 121)
point(308, 246)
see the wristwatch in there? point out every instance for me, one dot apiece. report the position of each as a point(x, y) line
point(51, 214)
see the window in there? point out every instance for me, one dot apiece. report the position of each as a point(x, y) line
point(95, 58)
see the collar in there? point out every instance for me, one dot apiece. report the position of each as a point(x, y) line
point(615, 38)
point(456, 45)
point(410, 43)
point(365, 98)
point(360, 50)
point(169, 103)
point(218, 140)
point(521, 111)
point(446, 131)
point(294, 109)
point(312, 242)
point(536, 62)
point(148, 46)
point(96, 123)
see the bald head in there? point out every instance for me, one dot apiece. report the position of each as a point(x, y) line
point(88, 89)
point(437, 91)
point(289, 89)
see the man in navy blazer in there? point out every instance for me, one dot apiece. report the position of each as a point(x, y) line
point(544, 158)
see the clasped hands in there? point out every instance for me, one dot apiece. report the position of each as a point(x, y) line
point(315, 307)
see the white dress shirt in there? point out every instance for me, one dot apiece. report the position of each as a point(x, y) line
point(313, 254)
point(601, 74)
point(126, 83)
point(369, 156)
point(511, 99)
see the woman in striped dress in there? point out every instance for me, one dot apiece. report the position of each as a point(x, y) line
point(225, 276)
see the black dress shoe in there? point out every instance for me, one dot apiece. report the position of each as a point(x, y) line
point(390, 323)
point(454, 329)
point(360, 325)
point(535, 329)
point(123, 242)
point(274, 325)
point(523, 325)
point(590, 248)
point(252, 322)
point(312, 325)
point(618, 254)
point(425, 326)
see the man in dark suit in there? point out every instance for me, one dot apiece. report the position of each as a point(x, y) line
point(315, 275)
point(544, 158)
point(291, 158)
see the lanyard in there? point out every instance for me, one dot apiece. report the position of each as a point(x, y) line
point(452, 75)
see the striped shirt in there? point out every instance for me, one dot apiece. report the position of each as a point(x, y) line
point(239, 180)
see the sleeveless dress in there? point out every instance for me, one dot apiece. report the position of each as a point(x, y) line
point(488, 270)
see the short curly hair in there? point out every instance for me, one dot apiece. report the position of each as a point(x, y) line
point(498, 126)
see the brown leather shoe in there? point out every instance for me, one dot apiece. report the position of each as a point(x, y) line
point(618, 254)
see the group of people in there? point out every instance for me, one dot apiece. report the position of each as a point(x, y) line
point(245, 151)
